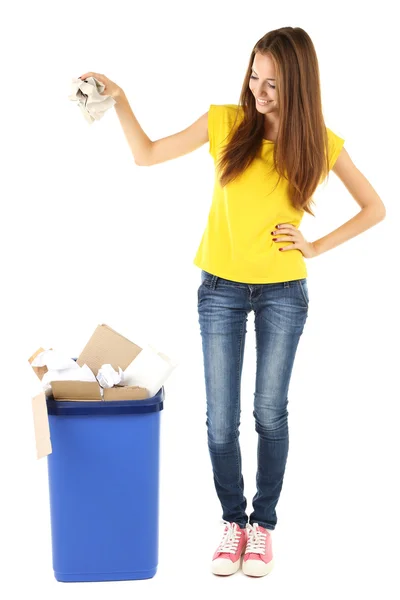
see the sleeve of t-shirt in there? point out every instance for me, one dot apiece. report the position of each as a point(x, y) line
point(215, 127)
point(212, 113)
point(335, 144)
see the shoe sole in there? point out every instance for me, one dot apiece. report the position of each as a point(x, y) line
point(257, 568)
point(225, 567)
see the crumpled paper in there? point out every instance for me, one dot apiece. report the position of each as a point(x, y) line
point(107, 376)
point(61, 368)
point(150, 369)
point(87, 93)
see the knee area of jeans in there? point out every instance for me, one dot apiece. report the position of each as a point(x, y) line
point(266, 426)
point(221, 438)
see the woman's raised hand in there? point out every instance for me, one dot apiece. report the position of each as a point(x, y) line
point(110, 89)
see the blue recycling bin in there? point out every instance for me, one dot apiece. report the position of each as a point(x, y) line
point(104, 488)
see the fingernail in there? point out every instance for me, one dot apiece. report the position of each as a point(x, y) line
point(280, 248)
point(276, 225)
point(274, 239)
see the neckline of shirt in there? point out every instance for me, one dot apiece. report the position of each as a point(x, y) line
point(264, 141)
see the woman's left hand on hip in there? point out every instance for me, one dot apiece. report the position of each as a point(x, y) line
point(286, 232)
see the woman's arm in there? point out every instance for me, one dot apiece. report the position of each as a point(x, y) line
point(147, 152)
point(137, 139)
point(372, 208)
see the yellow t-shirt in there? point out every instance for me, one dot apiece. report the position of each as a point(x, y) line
point(237, 242)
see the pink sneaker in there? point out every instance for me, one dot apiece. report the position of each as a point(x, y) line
point(226, 559)
point(257, 560)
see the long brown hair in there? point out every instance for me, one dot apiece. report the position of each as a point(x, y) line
point(301, 148)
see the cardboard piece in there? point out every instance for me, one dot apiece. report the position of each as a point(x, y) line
point(40, 371)
point(106, 346)
point(89, 391)
point(127, 392)
point(41, 425)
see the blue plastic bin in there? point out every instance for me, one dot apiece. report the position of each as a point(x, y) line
point(104, 488)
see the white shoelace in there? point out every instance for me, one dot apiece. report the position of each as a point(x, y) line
point(230, 539)
point(256, 539)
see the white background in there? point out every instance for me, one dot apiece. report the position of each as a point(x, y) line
point(88, 237)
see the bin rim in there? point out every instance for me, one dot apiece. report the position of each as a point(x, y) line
point(106, 407)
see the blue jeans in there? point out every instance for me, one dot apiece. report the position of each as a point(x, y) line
point(280, 312)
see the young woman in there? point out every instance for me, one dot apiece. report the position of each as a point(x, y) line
point(271, 151)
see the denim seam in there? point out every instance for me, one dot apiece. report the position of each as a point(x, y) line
point(238, 379)
point(231, 284)
point(211, 282)
point(272, 323)
point(241, 349)
point(263, 524)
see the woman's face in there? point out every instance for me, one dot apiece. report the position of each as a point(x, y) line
point(262, 83)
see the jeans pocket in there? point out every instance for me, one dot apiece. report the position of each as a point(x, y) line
point(206, 278)
point(304, 290)
point(204, 285)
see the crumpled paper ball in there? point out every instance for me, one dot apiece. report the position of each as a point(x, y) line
point(87, 93)
point(107, 376)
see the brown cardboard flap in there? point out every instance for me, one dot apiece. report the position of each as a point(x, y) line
point(76, 390)
point(106, 346)
point(40, 371)
point(127, 392)
point(41, 425)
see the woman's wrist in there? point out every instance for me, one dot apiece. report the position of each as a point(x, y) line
point(118, 95)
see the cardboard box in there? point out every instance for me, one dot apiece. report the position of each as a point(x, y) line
point(105, 346)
